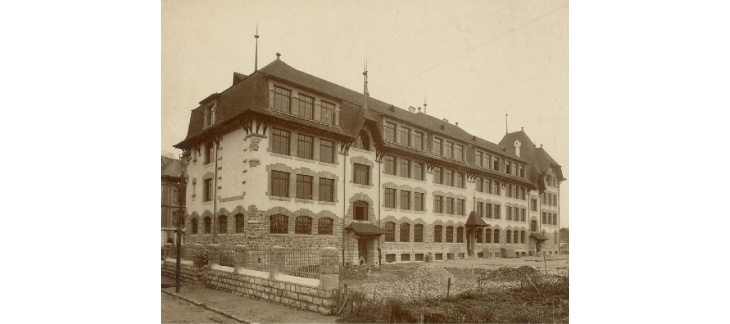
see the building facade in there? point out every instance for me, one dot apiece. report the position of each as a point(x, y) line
point(172, 200)
point(285, 158)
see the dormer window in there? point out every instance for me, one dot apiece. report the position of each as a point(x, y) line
point(517, 148)
point(209, 115)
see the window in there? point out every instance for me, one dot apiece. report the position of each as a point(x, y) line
point(509, 190)
point(523, 216)
point(207, 189)
point(303, 225)
point(306, 106)
point(282, 99)
point(459, 181)
point(280, 141)
point(209, 115)
point(449, 234)
point(533, 204)
point(361, 210)
point(279, 184)
point(405, 199)
point(279, 224)
point(437, 233)
point(460, 207)
point(488, 185)
point(405, 168)
point(543, 218)
point(479, 235)
point(509, 212)
point(449, 149)
point(305, 146)
point(390, 164)
point(362, 174)
point(206, 222)
point(304, 186)
point(496, 236)
point(326, 151)
point(327, 113)
point(405, 257)
point(497, 211)
point(418, 138)
point(405, 232)
point(438, 148)
point(515, 236)
point(389, 198)
point(478, 155)
point(418, 233)
point(418, 171)
point(489, 210)
point(209, 153)
point(507, 169)
point(239, 223)
point(438, 175)
point(496, 164)
point(497, 188)
point(438, 204)
point(522, 236)
point(418, 202)
point(389, 132)
point(449, 177)
point(195, 225)
point(508, 237)
point(479, 184)
point(459, 152)
point(326, 189)
point(488, 238)
point(522, 172)
point(523, 193)
point(533, 225)
point(480, 209)
point(222, 224)
point(362, 141)
point(390, 229)
point(459, 234)
point(405, 136)
point(449, 205)
point(418, 256)
point(324, 226)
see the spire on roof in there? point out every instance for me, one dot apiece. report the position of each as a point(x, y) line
point(424, 104)
point(256, 58)
point(505, 123)
point(365, 91)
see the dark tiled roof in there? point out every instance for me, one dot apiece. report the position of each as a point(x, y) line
point(171, 167)
point(365, 229)
point(473, 220)
point(238, 77)
point(538, 237)
point(543, 161)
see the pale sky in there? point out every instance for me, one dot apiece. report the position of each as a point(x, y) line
point(473, 60)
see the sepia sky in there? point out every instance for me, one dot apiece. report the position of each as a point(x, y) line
point(473, 60)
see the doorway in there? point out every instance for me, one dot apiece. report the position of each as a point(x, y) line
point(362, 250)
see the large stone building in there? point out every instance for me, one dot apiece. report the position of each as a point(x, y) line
point(285, 158)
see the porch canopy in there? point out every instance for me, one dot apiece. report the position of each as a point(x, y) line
point(474, 221)
point(538, 237)
point(365, 229)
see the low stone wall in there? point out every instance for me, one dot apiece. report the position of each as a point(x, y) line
point(188, 272)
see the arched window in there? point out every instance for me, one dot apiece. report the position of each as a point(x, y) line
point(361, 210)
point(239, 223)
point(508, 237)
point(496, 236)
point(279, 224)
point(363, 141)
point(488, 239)
point(207, 225)
point(522, 236)
point(515, 236)
point(449, 234)
point(533, 225)
point(418, 233)
point(390, 228)
point(194, 225)
point(303, 225)
point(405, 232)
point(324, 226)
point(223, 224)
point(437, 234)
point(460, 234)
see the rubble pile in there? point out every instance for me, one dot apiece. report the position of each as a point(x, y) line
point(429, 281)
point(511, 274)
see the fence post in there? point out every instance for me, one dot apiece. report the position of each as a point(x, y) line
point(329, 269)
point(214, 255)
point(240, 261)
point(276, 261)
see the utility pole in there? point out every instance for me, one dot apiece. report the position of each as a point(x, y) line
point(180, 219)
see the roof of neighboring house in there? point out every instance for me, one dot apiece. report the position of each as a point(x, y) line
point(171, 167)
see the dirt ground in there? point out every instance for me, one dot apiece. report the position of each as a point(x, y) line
point(176, 310)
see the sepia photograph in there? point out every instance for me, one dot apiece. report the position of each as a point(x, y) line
point(364, 161)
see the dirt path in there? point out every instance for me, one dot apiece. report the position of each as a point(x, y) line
point(176, 310)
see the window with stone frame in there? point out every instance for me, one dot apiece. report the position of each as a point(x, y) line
point(507, 167)
point(304, 186)
point(515, 236)
point(327, 112)
point(508, 236)
point(487, 185)
point(360, 209)
point(533, 225)
point(305, 147)
point(488, 210)
point(497, 213)
point(449, 234)
point(488, 236)
point(209, 153)
point(437, 235)
point(418, 233)
point(326, 151)
point(496, 236)
point(460, 234)
point(509, 212)
point(523, 214)
point(460, 210)
point(459, 152)
point(361, 174)
point(326, 189)
point(280, 141)
point(239, 223)
point(449, 205)
point(479, 235)
point(418, 140)
point(390, 229)
point(478, 155)
point(223, 224)
point(279, 184)
point(438, 175)
point(449, 150)
point(282, 99)
point(418, 201)
point(438, 204)
point(194, 224)
point(389, 162)
point(405, 136)
point(389, 132)
point(405, 199)
point(479, 184)
point(207, 189)
point(533, 204)
point(509, 190)
point(496, 164)
point(306, 106)
point(418, 171)
point(459, 179)
point(438, 148)
point(278, 224)
point(405, 232)
point(207, 224)
point(405, 168)
point(303, 225)
point(449, 177)
point(497, 188)
point(324, 226)
point(480, 209)
point(522, 236)
point(390, 197)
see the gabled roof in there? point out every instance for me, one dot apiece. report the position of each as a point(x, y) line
point(171, 167)
point(474, 220)
point(543, 161)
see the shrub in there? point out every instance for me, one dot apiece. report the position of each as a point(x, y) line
point(201, 257)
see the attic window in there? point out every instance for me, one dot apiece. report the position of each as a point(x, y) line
point(209, 115)
point(517, 148)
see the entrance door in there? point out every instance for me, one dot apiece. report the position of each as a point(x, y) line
point(362, 250)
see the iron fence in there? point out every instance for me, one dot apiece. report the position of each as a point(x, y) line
point(301, 263)
point(256, 259)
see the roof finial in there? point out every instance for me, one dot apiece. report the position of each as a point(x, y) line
point(365, 89)
point(424, 104)
point(256, 58)
point(505, 123)
point(278, 55)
